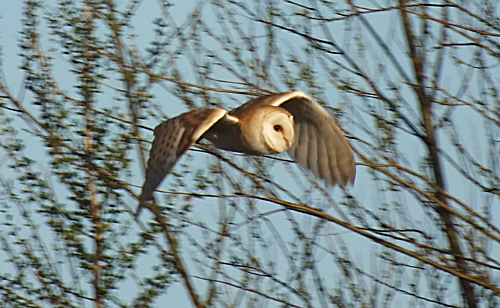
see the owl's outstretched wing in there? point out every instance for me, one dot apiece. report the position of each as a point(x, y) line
point(319, 144)
point(172, 138)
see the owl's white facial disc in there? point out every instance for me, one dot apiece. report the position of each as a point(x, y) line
point(278, 131)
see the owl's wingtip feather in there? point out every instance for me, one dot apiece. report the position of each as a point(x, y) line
point(143, 200)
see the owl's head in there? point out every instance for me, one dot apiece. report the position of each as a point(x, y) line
point(277, 130)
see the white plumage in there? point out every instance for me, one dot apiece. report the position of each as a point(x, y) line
point(270, 124)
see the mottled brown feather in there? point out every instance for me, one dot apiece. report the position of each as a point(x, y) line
point(172, 138)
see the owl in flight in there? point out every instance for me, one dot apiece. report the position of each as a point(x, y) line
point(291, 122)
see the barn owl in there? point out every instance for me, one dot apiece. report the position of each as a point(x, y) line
point(291, 122)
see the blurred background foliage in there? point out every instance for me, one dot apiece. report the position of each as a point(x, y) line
point(414, 85)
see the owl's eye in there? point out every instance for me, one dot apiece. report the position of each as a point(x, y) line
point(278, 128)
